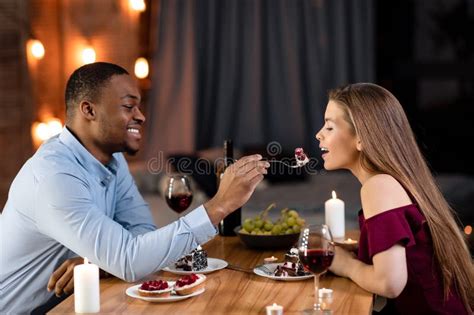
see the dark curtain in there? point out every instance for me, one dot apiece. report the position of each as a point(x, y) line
point(254, 71)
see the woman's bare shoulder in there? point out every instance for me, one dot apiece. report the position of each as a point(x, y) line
point(380, 193)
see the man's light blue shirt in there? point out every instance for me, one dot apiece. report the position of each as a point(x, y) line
point(64, 203)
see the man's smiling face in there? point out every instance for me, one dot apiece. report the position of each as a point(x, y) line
point(119, 118)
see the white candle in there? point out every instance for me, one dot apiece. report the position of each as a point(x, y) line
point(86, 288)
point(274, 309)
point(334, 212)
point(325, 298)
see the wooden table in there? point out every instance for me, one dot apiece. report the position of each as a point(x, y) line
point(233, 292)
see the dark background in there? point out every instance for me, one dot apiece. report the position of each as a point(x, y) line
point(425, 56)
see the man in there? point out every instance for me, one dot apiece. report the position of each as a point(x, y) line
point(76, 197)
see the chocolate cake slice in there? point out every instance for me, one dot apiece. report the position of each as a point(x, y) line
point(194, 261)
point(292, 266)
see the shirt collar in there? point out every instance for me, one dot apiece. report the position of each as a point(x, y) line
point(103, 173)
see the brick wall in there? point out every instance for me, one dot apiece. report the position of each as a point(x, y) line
point(32, 91)
point(15, 94)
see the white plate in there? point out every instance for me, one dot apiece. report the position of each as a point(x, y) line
point(213, 264)
point(133, 292)
point(272, 267)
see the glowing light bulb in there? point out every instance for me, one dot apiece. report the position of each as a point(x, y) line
point(141, 68)
point(88, 55)
point(42, 131)
point(55, 126)
point(468, 229)
point(37, 48)
point(137, 5)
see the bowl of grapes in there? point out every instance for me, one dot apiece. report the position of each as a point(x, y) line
point(263, 233)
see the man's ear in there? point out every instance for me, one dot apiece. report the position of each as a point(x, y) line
point(87, 110)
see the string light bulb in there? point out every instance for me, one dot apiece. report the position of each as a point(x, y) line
point(44, 130)
point(141, 68)
point(468, 229)
point(137, 5)
point(36, 48)
point(88, 55)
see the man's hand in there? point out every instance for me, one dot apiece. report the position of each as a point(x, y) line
point(236, 186)
point(62, 280)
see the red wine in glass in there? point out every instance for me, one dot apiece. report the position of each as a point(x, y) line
point(316, 253)
point(316, 260)
point(179, 202)
point(178, 194)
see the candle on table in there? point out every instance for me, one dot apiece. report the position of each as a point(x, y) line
point(269, 260)
point(86, 288)
point(334, 212)
point(350, 241)
point(325, 298)
point(274, 309)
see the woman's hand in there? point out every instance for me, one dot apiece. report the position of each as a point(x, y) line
point(342, 262)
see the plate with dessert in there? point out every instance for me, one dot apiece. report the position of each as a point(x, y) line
point(162, 291)
point(196, 261)
point(289, 270)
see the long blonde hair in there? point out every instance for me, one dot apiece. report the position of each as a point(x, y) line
point(389, 146)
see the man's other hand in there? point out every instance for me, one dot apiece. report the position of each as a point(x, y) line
point(62, 280)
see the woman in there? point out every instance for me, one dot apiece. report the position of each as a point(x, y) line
point(410, 249)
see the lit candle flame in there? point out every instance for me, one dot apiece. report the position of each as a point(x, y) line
point(334, 196)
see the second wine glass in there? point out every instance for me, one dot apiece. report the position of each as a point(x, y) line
point(178, 193)
point(316, 252)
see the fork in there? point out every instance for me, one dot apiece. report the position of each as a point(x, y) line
point(264, 269)
point(284, 163)
point(238, 268)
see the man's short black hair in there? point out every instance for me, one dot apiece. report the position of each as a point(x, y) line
point(86, 82)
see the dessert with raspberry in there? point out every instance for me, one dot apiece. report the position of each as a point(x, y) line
point(292, 266)
point(155, 288)
point(300, 156)
point(189, 284)
point(194, 261)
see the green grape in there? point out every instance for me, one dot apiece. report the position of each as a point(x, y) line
point(276, 229)
point(260, 232)
point(284, 226)
point(243, 231)
point(289, 231)
point(293, 213)
point(254, 232)
point(300, 221)
point(291, 221)
point(268, 226)
point(296, 228)
point(267, 233)
point(249, 225)
point(258, 223)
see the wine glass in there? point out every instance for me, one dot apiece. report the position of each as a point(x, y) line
point(178, 193)
point(316, 252)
